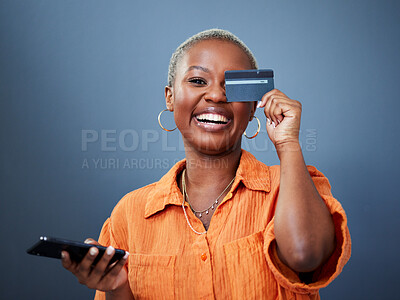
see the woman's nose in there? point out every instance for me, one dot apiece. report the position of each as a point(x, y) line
point(216, 93)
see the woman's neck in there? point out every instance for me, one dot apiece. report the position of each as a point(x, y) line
point(208, 178)
point(210, 171)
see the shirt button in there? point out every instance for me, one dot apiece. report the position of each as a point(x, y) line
point(204, 256)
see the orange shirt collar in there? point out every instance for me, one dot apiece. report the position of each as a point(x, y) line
point(251, 172)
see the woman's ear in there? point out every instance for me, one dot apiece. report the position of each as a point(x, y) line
point(253, 110)
point(169, 98)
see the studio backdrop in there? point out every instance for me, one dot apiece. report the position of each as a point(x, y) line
point(82, 83)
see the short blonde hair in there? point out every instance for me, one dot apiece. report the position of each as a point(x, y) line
point(210, 34)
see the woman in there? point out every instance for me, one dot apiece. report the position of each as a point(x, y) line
point(221, 224)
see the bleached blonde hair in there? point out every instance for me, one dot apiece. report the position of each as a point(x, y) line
point(210, 34)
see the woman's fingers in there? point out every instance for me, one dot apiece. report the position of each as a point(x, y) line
point(116, 269)
point(267, 96)
point(99, 271)
point(91, 241)
point(284, 112)
point(271, 107)
point(275, 109)
point(277, 106)
point(116, 275)
point(85, 267)
point(269, 102)
point(66, 261)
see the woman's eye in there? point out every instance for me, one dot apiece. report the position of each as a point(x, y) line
point(197, 81)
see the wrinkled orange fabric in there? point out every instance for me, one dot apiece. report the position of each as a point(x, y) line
point(237, 257)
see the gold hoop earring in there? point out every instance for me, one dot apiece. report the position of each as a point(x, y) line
point(258, 129)
point(159, 121)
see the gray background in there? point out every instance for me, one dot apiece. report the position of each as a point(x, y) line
point(69, 68)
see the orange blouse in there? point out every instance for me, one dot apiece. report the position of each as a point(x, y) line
point(235, 259)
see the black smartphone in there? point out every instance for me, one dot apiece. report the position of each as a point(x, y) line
point(248, 85)
point(52, 247)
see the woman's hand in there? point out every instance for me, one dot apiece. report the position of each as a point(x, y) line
point(100, 277)
point(283, 118)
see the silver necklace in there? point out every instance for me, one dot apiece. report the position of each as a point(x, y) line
point(186, 197)
point(212, 206)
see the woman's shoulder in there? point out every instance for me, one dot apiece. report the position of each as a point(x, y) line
point(151, 195)
point(138, 196)
point(132, 204)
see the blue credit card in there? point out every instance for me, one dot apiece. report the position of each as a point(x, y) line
point(248, 85)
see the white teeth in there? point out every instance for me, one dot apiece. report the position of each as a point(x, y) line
point(212, 117)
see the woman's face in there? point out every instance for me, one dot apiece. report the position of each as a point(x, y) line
point(208, 123)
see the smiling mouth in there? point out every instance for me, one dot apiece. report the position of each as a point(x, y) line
point(212, 119)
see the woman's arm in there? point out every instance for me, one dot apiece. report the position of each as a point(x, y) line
point(303, 226)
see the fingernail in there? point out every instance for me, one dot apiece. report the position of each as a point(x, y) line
point(88, 241)
point(268, 121)
point(279, 122)
point(110, 250)
point(126, 255)
point(62, 255)
point(273, 124)
point(93, 251)
point(259, 104)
